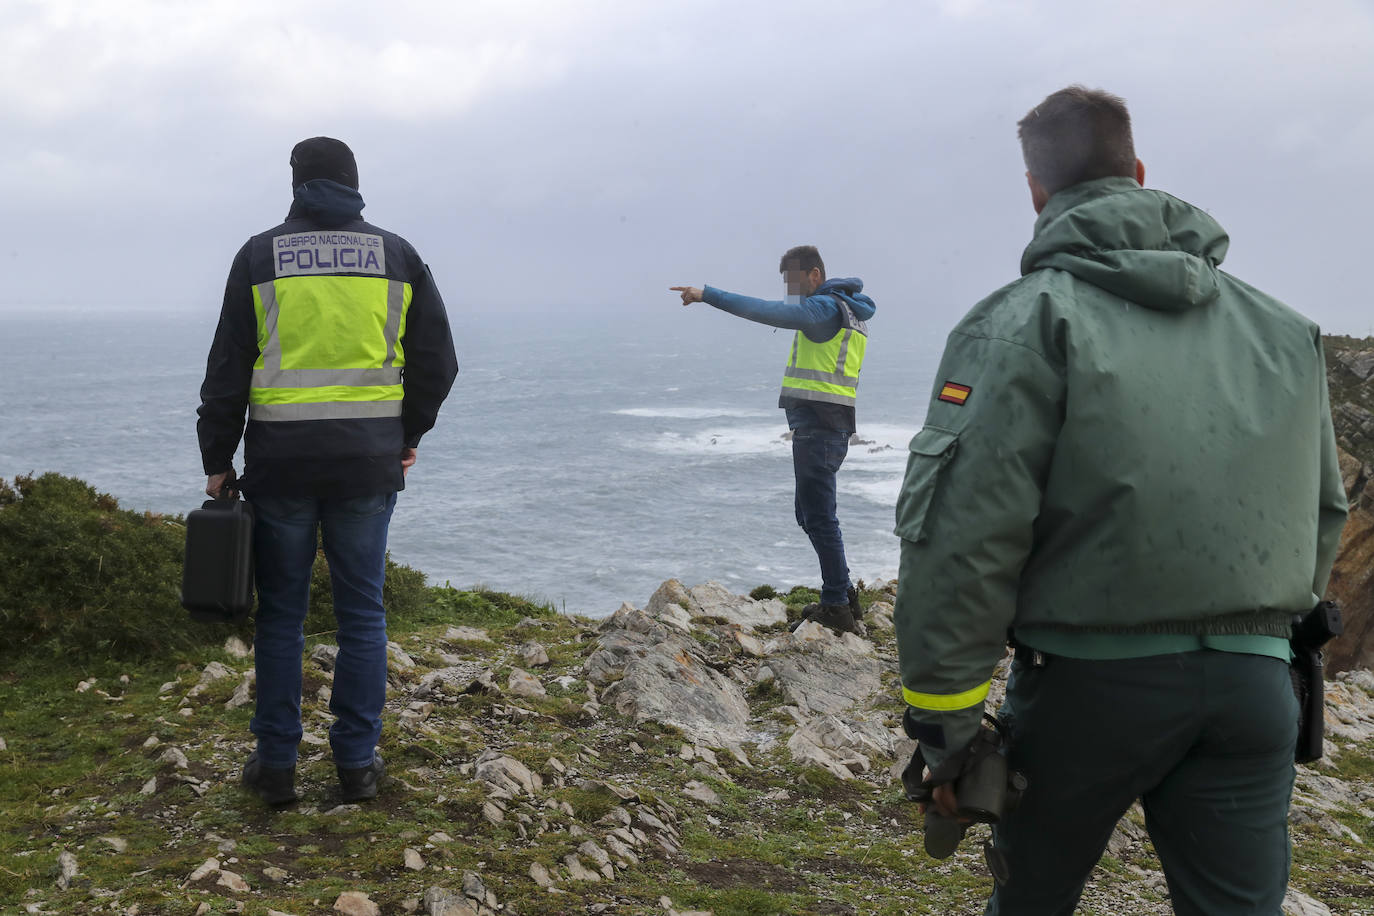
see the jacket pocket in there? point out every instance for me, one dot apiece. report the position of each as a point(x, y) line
point(931, 449)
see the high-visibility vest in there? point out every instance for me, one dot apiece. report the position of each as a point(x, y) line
point(329, 348)
point(828, 371)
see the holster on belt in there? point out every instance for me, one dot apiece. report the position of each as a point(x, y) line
point(1310, 633)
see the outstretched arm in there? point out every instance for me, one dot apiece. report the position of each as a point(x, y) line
point(817, 316)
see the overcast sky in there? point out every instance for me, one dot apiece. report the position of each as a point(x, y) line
point(586, 155)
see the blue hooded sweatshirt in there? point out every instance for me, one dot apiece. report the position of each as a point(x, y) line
point(818, 317)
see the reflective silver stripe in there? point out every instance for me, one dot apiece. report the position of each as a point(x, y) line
point(319, 378)
point(804, 394)
point(815, 375)
point(796, 342)
point(844, 351)
point(327, 410)
point(271, 349)
point(395, 302)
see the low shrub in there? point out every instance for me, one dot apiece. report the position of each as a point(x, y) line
point(80, 577)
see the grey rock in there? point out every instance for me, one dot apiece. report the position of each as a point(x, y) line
point(243, 694)
point(507, 774)
point(524, 684)
point(441, 902)
point(463, 677)
point(398, 656)
point(663, 677)
point(467, 634)
point(1296, 903)
point(748, 643)
point(233, 881)
point(237, 648)
point(845, 747)
point(579, 872)
point(324, 655)
point(273, 873)
point(671, 604)
point(149, 787)
point(412, 859)
point(699, 791)
point(539, 874)
point(473, 886)
point(176, 757)
point(118, 844)
point(820, 673)
point(208, 867)
point(714, 600)
point(356, 903)
point(215, 671)
point(533, 655)
point(66, 869)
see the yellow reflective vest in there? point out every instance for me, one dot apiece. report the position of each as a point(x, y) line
point(828, 371)
point(329, 346)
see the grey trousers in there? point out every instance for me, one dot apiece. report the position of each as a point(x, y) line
point(1204, 739)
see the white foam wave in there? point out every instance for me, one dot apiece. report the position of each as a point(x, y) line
point(882, 490)
point(751, 440)
point(691, 413)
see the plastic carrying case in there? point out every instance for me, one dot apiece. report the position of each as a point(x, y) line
point(217, 578)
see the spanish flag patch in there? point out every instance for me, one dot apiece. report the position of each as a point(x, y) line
point(952, 393)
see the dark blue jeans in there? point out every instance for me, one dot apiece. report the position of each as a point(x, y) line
point(816, 455)
point(284, 543)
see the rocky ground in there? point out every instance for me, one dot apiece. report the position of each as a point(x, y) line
point(689, 756)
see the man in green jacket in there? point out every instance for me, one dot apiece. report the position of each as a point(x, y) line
point(1128, 466)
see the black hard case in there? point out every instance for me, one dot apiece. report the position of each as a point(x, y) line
point(217, 578)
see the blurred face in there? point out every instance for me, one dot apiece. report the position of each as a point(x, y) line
point(801, 283)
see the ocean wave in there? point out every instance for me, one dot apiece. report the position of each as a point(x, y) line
point(691, 413)
point(880, 490)
point(755, 440)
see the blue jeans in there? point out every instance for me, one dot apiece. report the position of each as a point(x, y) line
point(284, 545)
point(816, 455)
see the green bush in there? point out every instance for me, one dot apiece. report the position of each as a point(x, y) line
point(80, 576)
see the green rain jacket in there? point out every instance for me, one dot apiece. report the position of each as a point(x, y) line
point(1126, 440)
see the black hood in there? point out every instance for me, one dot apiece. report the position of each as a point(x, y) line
point(328, 203)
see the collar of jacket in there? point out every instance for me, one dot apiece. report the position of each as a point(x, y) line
point(328, 203)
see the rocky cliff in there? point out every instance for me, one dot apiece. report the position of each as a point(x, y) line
point(692, 756)
point(1350, 373)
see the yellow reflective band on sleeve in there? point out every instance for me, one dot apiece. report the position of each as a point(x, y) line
point(947, 702)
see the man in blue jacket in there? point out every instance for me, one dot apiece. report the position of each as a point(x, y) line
point(335, 341)
point(819, 389)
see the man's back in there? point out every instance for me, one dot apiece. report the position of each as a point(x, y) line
point(347, 346)
point(1184, 474)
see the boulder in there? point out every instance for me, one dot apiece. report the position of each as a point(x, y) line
point(716, 601)
point(822, 673)
point(658, 674)
point(671, 604)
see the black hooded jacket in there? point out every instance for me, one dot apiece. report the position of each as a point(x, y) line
point(338, 457)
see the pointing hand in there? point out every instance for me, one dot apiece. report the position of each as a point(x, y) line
point(690, 294)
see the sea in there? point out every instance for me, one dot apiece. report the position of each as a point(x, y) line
point(583, 457)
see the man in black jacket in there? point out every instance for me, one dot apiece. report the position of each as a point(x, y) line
point(335, 341)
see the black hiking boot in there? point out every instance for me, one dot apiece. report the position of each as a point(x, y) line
point(360, 784)
point(855, 607)
point(274, 785)
point(835, 617)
